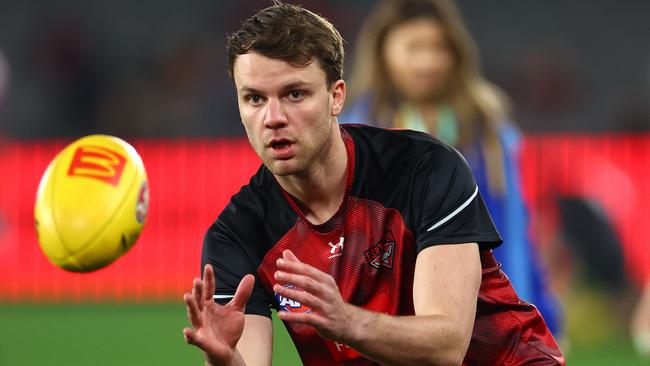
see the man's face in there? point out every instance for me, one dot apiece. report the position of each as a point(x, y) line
point(288, 111)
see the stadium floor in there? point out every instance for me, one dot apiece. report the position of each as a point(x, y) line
point(150, 334)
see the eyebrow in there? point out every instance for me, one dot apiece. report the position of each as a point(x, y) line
point(248, 90)
point(293, 85)
point(296, 85)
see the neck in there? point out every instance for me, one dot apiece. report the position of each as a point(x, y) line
point(427, 108)
point(320, 189)
point(428, 111)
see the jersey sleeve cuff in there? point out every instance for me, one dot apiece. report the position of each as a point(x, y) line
point(485, 242)
point(258, 310)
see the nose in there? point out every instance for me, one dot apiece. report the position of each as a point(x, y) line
point(423, 62)
point(275, 116)
point(429, 61)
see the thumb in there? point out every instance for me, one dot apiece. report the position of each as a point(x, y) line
point(192, 338)
point(243, 293)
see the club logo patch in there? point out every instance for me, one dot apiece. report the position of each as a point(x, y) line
point(381, 254)
point(287, 304)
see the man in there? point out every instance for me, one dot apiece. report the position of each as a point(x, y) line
point(369, 242)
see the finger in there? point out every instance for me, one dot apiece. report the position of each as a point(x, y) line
point(197, 291)
point(306, 318)
point(288, 255)
point(304, 282)
point(302, 297)
point(192, 338)
point(208, 282)
point(188, 335)
point(243, 293)
point(193, 294)
point(301, 268)
point(193, 312)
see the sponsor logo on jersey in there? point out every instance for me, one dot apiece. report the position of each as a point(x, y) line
point(340, 346)
point(336, 249)
point(341, 351)
point(381, 254)
point(287, 304)
point(97, 162)
point(142, 206)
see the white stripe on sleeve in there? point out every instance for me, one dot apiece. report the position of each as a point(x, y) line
point(456, 211)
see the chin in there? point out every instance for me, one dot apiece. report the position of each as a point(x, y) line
point(423, 95)
point(283, 168)
point(422, 92)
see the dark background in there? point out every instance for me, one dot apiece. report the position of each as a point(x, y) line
point(157, 68)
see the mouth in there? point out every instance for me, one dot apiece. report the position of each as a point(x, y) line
point(279, 144)
point(281, 148)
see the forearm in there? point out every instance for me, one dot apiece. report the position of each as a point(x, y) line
point(406, 340)
point(237, 360)
point(444, 299)
point(255, 346)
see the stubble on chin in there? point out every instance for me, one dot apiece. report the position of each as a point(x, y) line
point(282, 168)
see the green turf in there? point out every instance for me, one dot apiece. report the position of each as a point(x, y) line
point(150, 334)
point(106, 334)
point(613, 352)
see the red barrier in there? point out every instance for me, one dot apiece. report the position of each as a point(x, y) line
point(192, 180)
point(609, 169)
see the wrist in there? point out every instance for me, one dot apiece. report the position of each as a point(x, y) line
point(234, 359)
point(211, 361)
point(359, 322)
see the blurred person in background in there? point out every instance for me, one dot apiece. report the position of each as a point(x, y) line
point(416, 67)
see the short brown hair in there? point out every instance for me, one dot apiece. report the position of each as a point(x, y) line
point(291, 33)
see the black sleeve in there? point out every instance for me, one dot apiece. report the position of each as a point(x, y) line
point(450, 209)
point(232, 247)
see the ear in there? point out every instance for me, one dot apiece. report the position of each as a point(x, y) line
point(338, 91)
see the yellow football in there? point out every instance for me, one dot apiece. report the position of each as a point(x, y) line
point(91, 203)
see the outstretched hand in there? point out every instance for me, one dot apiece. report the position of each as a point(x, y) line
point(216, 329)
point(330, 314)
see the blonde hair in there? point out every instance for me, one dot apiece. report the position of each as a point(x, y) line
point(479, 105)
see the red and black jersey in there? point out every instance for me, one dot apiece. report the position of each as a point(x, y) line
point(405, 191)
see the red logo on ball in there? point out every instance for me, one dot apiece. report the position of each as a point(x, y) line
point(97, 162)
